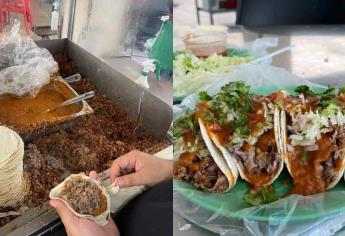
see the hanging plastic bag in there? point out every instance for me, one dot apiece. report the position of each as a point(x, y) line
point(23, 80)
point(24, 67)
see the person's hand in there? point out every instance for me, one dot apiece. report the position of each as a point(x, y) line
point(143, 168)
point(76, 226)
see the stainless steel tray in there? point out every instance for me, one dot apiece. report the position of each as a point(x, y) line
point(156, 118)
point(64, 122)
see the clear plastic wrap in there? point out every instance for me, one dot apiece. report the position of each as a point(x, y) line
point(285, 208)
point(23, 80)
point(24, 67)
point(322, 214)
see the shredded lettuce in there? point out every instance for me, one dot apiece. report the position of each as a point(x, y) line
point(308, 127)
point(190, 72)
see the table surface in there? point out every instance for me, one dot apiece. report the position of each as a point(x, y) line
point(318, 55)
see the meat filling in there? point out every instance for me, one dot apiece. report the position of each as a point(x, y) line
point(260, 162)
point(334, 162)
point(203, 173)
point(84, 197)
point(314, 171)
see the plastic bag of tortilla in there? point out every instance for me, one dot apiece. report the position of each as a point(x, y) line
point(24, 67)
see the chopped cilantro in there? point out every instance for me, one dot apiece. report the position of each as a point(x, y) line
point(279, 104)
point(259, 125)
point(329, 91)
point(203, 95)
point(241, 131)
point(234, 98)
point(184, 124)
point(253, 198)
point(327, 100)
point(262, 196)
point(305, 90)
point(208, 117)
point(341, 90)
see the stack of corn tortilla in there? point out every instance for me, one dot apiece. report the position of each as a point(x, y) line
point(12, 184)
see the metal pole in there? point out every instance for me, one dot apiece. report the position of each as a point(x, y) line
point(72, 7)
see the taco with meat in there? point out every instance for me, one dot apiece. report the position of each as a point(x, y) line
point(246, 129)
point(198, 161)
point(314, 139)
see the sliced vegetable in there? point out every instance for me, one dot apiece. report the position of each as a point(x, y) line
point(191, 73)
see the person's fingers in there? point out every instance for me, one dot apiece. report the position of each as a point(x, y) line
point(93, 175)
point(68, 218)
point(124, 162)
point(130, 180)
point(111, 228)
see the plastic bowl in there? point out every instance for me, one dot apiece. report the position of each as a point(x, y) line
point(204, 44)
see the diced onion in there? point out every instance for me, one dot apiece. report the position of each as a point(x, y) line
point(308, 127)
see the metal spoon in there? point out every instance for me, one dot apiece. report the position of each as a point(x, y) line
point(73, 101)
point(73, 78)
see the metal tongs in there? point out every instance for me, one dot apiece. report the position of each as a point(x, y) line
point(73, 101)
point(73, 78)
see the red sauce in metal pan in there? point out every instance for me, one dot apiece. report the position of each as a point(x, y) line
point(26, 113)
